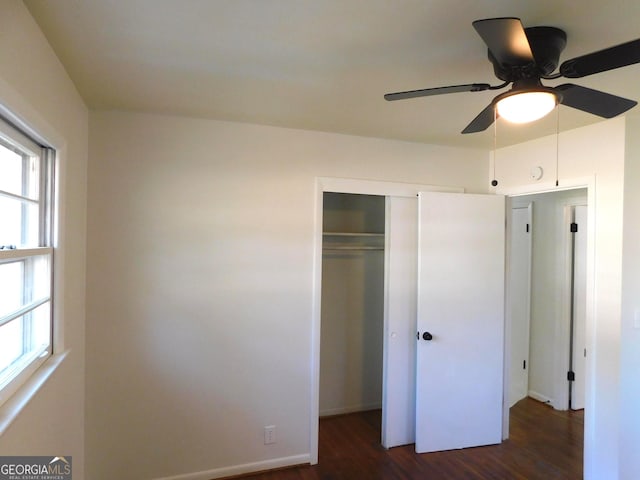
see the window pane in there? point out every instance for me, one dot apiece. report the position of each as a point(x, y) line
point(23, 282)
point(22, 338)
point(19, 172)
point(41, 277)
point(32, 183)
point(41, 327)
point(18, 222)
point(11, 335)
point(11, 167)
point(11, 283)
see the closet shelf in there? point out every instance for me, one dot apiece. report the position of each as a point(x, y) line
point(350, 247)
point(353, 241)
point(351, 234)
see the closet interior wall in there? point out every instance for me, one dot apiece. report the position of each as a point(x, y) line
point(352, 317)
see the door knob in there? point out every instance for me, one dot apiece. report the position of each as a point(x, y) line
point(427, 336)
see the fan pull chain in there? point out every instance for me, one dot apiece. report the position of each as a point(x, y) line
point(557, 144)
point(494, 182)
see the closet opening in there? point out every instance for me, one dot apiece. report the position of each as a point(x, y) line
point(352, 304)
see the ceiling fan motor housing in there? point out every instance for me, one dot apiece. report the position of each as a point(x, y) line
point(546, 43)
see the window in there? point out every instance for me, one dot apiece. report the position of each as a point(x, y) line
point(26, 257)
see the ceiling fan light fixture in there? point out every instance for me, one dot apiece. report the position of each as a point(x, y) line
point(527, 106)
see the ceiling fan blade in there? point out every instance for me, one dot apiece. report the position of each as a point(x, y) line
point(483, 121)
point(426, 92)
point(506, 40)
point(593, 101)
point(603, 60)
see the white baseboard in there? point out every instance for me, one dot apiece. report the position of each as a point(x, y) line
point(540, 397)
point(243, 469)
point(352, 409)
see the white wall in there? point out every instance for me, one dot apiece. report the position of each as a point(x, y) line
point(630, 328)
point(200, 287)
point(34, 86)
point(596, 150)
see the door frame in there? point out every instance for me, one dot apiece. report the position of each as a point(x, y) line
point(588, 183)
point(352, 186)
point(572, 267)
point(564, 339)
point(513, 204)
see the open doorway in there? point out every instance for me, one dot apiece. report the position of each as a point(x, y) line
point(547, 294)
point(352, 309)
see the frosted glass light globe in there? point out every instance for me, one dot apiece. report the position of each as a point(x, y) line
point(526, 107)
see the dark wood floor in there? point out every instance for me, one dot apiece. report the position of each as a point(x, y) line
point(544, 444)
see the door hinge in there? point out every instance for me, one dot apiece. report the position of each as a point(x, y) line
point(524, 364)
point(571, 376)
point(527, 228)
point(574, 227)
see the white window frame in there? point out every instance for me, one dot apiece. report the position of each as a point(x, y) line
point(24, 369)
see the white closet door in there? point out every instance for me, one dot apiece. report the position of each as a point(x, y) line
point(459, 381)
point(401, 258)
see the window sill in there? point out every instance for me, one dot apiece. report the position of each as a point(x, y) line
point(10, 410)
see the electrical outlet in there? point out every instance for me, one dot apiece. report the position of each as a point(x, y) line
point(269, 434)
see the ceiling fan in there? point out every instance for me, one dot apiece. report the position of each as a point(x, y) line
point(523, 57)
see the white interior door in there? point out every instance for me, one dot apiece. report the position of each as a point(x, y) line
point(459, 371)
point(579, 308)
point(519, 302)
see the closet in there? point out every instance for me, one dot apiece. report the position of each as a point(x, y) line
point(383, 252)
point(352, 309)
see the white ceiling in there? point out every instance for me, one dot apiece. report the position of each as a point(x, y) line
point(320, 64)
